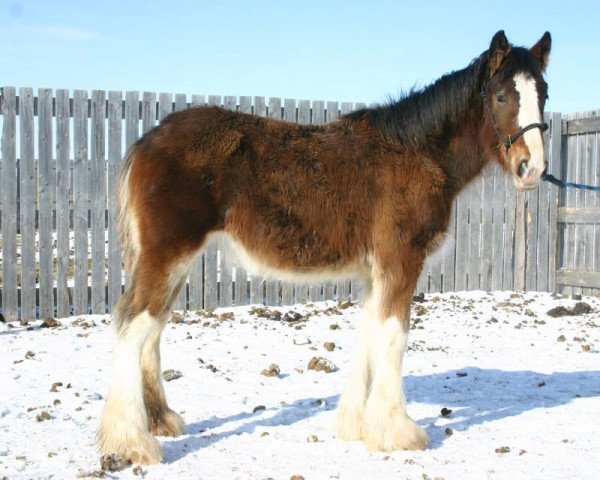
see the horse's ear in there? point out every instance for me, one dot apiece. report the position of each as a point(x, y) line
point(499, 50)
point(541, 50)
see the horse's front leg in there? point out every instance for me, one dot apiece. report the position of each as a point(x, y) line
point(386, 426)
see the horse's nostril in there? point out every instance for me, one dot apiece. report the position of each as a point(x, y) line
point(522, 168)
point(545, 169)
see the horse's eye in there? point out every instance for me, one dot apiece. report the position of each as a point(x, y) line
point(501, 98)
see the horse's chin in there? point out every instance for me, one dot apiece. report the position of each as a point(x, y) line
point(522, 186)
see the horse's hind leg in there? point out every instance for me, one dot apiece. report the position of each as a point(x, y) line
point(162, 420)
point(136, 406)
point(124, 424)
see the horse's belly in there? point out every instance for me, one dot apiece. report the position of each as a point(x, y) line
point(272, 263)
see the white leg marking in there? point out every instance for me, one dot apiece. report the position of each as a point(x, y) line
point(385, 423)
point(124, 424)
point(529, 112)
point(387, 426)
point(372, 406)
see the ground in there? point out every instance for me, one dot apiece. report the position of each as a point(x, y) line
point(504, 391)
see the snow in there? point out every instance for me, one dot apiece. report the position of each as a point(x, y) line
point(494, 359)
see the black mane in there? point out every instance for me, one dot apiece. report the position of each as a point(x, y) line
point(435, 111)
point(431, 111)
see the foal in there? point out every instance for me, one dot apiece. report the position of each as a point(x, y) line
point(368, 195)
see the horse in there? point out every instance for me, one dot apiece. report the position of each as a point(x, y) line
point(368, 195)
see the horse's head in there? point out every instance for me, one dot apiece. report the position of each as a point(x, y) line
point(514, 93)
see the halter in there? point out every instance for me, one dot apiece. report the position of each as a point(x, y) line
point(508, 140)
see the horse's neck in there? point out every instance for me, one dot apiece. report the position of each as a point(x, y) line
point(444, 120)
point(464, 157)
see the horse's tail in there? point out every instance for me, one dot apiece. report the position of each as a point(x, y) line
point(126, 223)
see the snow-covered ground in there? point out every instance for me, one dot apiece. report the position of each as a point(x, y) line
point(523, 387)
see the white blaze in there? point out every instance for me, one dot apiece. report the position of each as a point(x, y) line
point(529, 112)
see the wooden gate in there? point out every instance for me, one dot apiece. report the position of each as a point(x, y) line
point(578, 248)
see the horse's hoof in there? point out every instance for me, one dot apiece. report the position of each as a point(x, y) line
point(146, 452)
point(169, 425)
point(399, 432)
point(142, 449)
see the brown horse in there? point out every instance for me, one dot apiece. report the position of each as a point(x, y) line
point(368, 195)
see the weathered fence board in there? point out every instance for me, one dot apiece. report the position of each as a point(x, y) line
point(63, 203)
point(579, 278)
point(115, 149)
point(542, 218)
point(579, 215)
point(462, 239)
point(588, 168)
point(449, 251)
point(46, 185)
point(554, 166)
point(520, 258)
point(149, 111)
point(473, 271)
point(510, 240)
point(580, 230)
point(531, 237)
point(487, 226)
point(98, 202)
point(570, 198)
point(132, 117)
point(497, 244)
point(9, 204)
point(80, 201)
point(27, 207)
point(590, 124)
point(546, 239)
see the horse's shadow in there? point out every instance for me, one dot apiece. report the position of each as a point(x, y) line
point(474, 394)
point(199, 434)
point(486, 395)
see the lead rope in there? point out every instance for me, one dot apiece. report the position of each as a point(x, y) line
point(548, 177)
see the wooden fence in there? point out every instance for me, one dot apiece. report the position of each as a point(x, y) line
point(60, 253)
